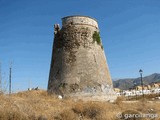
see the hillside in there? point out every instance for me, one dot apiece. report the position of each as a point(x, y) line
point(38, 105)
point(129, 83)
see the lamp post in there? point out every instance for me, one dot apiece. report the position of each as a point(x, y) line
point(141, 71)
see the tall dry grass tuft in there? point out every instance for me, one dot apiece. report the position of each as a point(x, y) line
point(66, 115)
point(89, 110)
point(12, 115)
point(119, 100)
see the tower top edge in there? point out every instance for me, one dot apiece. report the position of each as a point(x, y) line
point(78, 16)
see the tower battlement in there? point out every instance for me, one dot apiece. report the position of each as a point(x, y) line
point(79, 20)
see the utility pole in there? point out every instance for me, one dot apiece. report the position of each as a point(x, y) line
point(0, 78)
point(10, 78)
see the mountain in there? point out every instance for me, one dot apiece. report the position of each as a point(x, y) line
point(131, 82)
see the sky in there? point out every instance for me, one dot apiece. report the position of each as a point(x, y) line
point(129, 29)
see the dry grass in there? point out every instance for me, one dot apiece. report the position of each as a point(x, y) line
point(38, 105)
point(148, 97)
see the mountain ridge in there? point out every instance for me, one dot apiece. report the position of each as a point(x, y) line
point(127, 83)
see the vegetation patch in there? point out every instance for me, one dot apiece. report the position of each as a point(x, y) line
point(96, 37)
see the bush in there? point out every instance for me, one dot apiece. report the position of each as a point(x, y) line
point(88, 110)
point(66, 115)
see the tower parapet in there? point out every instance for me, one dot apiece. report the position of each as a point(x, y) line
point(79, 20)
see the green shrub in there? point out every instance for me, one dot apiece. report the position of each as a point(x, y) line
point(96, 37)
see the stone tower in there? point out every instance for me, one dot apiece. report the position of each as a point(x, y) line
point(78, 66)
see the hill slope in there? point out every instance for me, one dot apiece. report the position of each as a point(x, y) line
point(38, 105)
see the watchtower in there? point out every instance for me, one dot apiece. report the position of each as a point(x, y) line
point(78, 66)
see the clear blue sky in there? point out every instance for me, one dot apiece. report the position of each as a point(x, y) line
point(130, 31)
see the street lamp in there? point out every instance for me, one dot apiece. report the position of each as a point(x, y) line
point(141, 71)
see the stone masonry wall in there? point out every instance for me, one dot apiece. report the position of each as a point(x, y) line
point(79, 20)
